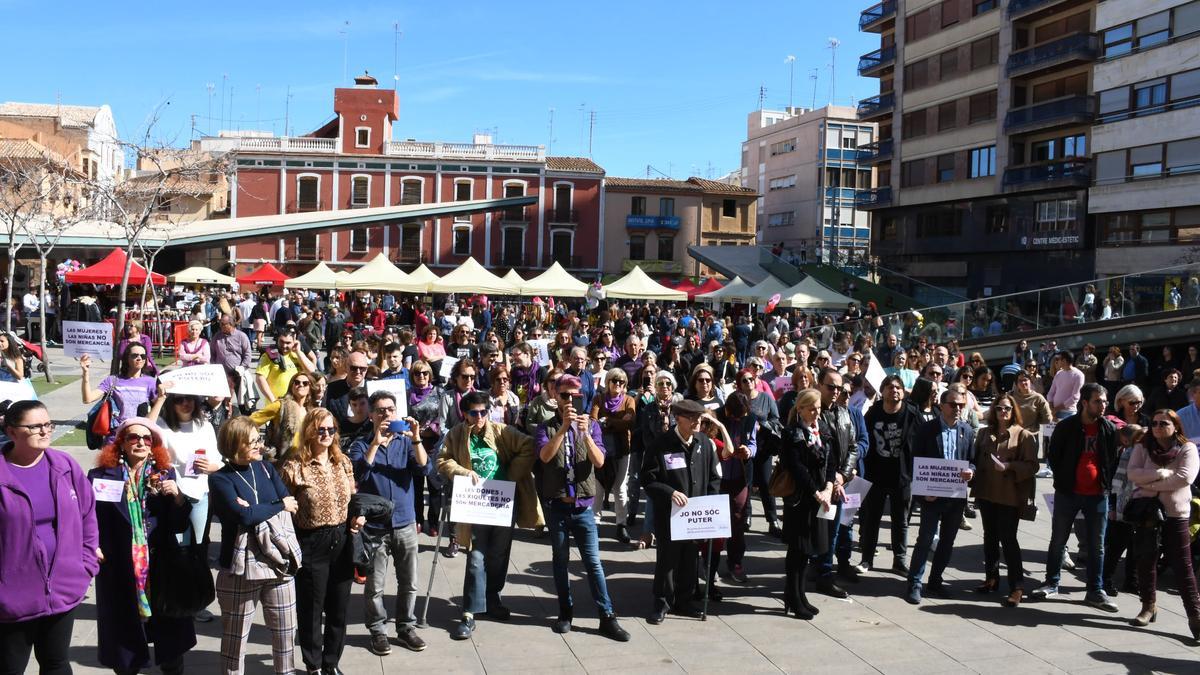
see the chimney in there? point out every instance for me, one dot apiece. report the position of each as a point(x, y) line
point(365, 81)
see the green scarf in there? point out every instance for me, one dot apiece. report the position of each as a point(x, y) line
point(135, 500)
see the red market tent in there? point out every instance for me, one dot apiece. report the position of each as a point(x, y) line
point(685, 284)
point(110, 270)
point(267, 275)
point(710, 285)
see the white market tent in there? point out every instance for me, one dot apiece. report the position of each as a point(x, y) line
point(763, 290)
point(514, 278)
point(319, 278)
point(341, 274)
point(419, 280)
point(202, 275)
point(638, 286)
point(811, 294)
point(734, 291)
point(377, 275)
point(471, 277)
point(555, 281)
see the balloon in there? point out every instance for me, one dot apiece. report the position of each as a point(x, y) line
point(772, 303)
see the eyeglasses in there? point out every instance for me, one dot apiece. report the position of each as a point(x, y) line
point(747, 380)
point(476, 413)
point(326, 431)
point(1161, 424)
point(956, 404)
point(139, 439)
point(1004, 408)
point(935, 373)
point(384, 411)
point(1134, 402)
point(43, 428)
point(503, 379)
point(854, 360)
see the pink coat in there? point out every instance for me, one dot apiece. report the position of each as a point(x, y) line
point(1171, 484)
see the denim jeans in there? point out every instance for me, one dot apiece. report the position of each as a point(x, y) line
point(565, 521)
point(1095, 520)
point(399, 543)
point(939, 518)
point(487, 566)
point(841, 541)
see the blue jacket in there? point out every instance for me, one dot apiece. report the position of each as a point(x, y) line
point(927, 441)
point(391, 474)
point(233, 481)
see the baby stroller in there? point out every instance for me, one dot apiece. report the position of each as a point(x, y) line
point(30, 351)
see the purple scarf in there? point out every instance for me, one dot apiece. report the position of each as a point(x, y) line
point(418, 394)
point(614, 403)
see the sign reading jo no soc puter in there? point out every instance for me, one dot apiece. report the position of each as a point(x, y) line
point(701, 518)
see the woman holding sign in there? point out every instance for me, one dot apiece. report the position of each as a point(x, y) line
point(805, 456)
point(48, 542)
point(131, 388)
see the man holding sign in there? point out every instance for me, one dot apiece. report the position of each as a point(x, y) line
point(680, 463)
point(485, 450)
point(947, 438)
point(570, 446)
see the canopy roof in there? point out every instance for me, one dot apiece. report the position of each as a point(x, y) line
point(110, 270)
point(555, 281)
point(267, 275)
point(811, 294)
point(471, 277)
point(203, 276)
point(685, 284)
point(318, 278)
point(419, 280)
point(763, 290)
point(734, 291)
point(638, 286)
point(711, 284)
point(514, 278)
point(379, 274)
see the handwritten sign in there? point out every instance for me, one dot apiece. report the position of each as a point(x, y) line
point(702, 518)
point(855, 490)
point(17, 391)
point(84, 337)
point(541, 351)
point(107, 490)
point(394, 385)
point(447, 366)
point(939, 477)
point(203, 380)
point(488, 503)
point(875, 374)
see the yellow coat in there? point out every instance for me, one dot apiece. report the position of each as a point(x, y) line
point(515, 452)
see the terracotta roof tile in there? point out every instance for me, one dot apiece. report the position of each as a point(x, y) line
point(718, 186)
point(24, 148)
point(692, 184)
point(573, 165)
point(80, 116)
point(182, 185)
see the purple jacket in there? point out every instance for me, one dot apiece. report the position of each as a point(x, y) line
point(27, 589)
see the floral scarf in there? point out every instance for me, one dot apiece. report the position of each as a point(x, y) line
point(135, 500)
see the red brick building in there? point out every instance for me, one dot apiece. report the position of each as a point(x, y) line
point(352, 162)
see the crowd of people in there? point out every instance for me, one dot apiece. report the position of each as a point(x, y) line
point(321, 478)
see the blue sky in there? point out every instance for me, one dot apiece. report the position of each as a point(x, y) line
point(670, 82)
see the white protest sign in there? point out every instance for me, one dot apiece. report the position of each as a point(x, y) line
point(875, 374)
point(17, 391)
point(107, 490)
point(541, 351)
point(702, 518)
point(855, 491)
point(84, 337)
point(939, 477)
point(852, 501)
point(827, 513)
point(489, 503)
point(396, 386)
point(447, 366)
point(204, 380)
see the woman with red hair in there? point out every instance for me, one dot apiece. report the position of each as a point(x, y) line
point(141, 511)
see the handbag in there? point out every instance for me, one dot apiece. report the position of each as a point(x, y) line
point(99, 423)
point(180, 581)
point(1144, 512)
point(782, 484)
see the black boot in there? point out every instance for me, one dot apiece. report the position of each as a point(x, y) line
point(802, 596)
point(792, 602)
point(612, 630)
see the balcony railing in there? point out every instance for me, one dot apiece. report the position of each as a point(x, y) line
point(513, 258)
point(874, 199)
point(516, 214)
point(633, 222)
point(563, 216)
point(486, 151)
point(1020, 8)
point(1070, 110)
point(1063, 173)
point(302, 252)
point(876, 106)
point(411, 257)
point(869, 64)
point(878, 151)
point(1077, 48)
point(270, 144)
point(872, 18)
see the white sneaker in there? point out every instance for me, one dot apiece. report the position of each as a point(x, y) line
point(1045, 591)
point(1045, 472)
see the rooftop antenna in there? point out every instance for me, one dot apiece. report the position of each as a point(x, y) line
point(591, 129)
point(762, 95)
point(814, 77)
point(287, 109)
point(396, 56)
point(257, 104)
point(791, 62)
point(834, 43)
point(345, 33)
point(550, 144)
point(224, 81)
point(210, 87)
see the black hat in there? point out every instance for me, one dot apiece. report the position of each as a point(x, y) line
point(687, 407)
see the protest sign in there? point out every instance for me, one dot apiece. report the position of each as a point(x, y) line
point(541, 351)
point(488, 503)
point(17, 391)
point(939, 477)
point(827, 513)
point(205, 380)
point(855, 490)
point(398, 389)
point(447, 366)
point(702, 518)
point(875, 374)
point(84, 337)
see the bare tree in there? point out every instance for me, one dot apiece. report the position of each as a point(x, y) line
point(44, 234)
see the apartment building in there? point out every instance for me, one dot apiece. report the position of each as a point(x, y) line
point(984, 110)
point(652, 221)
point(807, 165)
point(85, 135)
point(1146, 140)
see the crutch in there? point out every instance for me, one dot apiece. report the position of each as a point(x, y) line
point(437, 548)
point(708, 582)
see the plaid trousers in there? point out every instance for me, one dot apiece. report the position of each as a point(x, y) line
point(239, 599)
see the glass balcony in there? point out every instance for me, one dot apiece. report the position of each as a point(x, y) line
point(1020, 9)
point(874, 199)
point(1059, 112)
point(876, 107)
point(874, 19)
point(1048, 175)
point(1067, 51)
point(875, 153)
point(877, 61)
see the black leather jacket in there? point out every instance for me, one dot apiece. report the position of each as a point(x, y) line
point(836, 423)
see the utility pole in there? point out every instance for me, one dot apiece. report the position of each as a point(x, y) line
point(834, 43)
point(791, 61)
point(591, 129)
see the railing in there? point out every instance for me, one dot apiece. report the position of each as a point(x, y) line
point(411, 257)
point(563, 216)
point(571, 262)
point(878, 197)
point(302, 252)
point(1072, 109)
point(1118, 115)
point(872, 16)
point(1082, 46)
point(439, 150)
point(410, 199)
point(877, 59)
point(1076, 172)
point(272, 144)
point(516, 214)
point(633, 222)
point(1017, 8)
point(305, 206)
point(876, 151)
point(876, 105)
point(514, 258)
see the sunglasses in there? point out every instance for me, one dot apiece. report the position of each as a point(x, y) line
point(567, 395)
point(1161, 424)
point(326, 431)
point(357, 369)
point(420, 373)
point(302, 383)
point(466, 376)
point(704, 379)
point(747, 380)
point(1004, 408)
point(137, 355)
point(476, 413)
point(503, 379)
point(619, 383)
point(139, 439)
